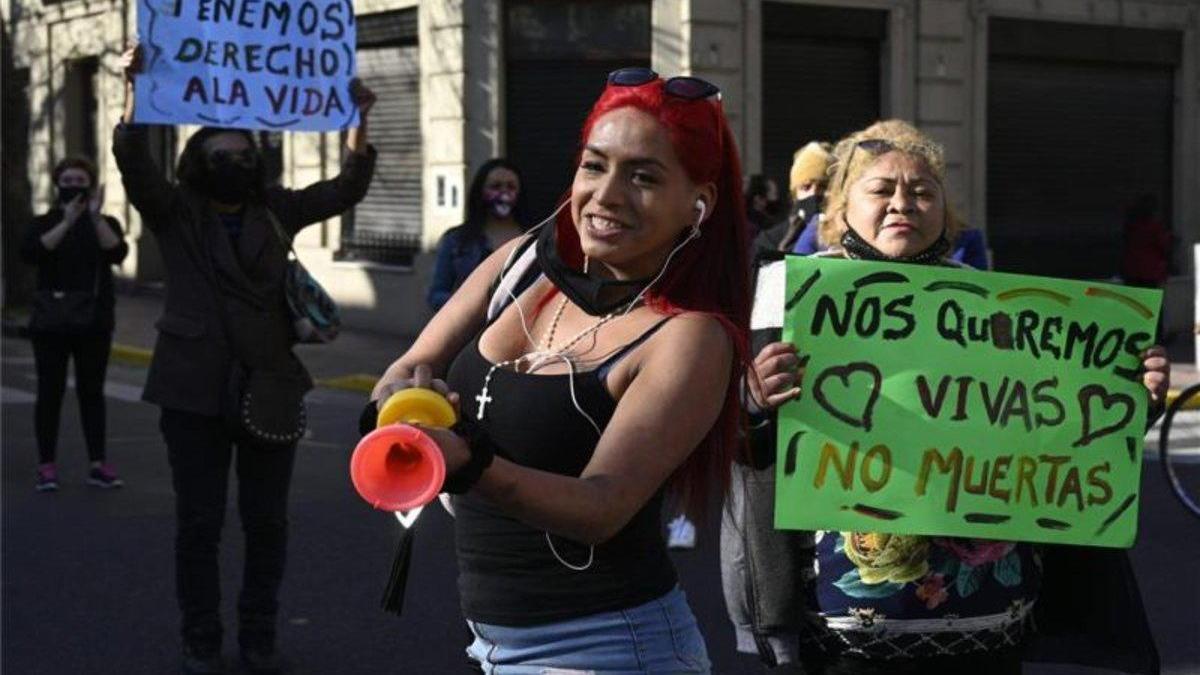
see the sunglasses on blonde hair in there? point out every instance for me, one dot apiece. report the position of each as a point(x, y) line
point(875, 146)
point(682, 87)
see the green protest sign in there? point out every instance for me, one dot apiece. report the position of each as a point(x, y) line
point(945, 401)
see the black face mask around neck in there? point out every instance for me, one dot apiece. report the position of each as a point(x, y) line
point(858, 248)
point(590, 293)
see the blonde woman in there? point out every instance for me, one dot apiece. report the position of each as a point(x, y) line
point(887, 201)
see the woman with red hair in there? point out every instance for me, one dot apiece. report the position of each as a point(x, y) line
point(597, 361)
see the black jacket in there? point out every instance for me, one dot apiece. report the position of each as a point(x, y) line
point(77, 263)
point(223, 302)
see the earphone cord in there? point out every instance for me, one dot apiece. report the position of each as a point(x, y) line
point(571, 364)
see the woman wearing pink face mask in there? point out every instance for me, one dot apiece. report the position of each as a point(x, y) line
point(496, 213)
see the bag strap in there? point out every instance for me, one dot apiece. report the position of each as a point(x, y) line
point(275, 225)
point(514, 277)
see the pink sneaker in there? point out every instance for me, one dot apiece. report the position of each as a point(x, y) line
point(103, 476)
point(47, 478)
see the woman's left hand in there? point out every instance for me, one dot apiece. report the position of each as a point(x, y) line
point(454, 448)
point(96, 202)
point(1157, 373)
point(362, 96)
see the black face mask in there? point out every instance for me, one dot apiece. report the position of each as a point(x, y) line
point(592, 294)
point(66, 195)
point(773, 209)
point(805, 208)
point(858, 248)
point(231, 182)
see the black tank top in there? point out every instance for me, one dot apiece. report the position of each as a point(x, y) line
point(507, 573)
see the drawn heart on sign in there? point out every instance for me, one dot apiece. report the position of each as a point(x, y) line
point(849, 392)
point(1091, 394)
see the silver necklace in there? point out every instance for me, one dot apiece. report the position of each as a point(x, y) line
point(536, 359)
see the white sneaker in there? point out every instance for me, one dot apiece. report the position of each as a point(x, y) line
point(681, 533)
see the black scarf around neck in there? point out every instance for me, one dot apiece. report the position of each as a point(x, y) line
point(592, 294)
point(859, 249)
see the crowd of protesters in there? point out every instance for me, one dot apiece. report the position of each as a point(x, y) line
point(569, 348)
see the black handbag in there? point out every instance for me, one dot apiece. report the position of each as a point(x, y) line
point(65, 311)
point(265, 406)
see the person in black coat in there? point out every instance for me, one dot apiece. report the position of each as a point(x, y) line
point(225, 333)
point(73, 247)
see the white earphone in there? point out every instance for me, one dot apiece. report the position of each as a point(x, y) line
point(703, 209)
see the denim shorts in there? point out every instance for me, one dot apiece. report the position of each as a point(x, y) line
point(660, 636)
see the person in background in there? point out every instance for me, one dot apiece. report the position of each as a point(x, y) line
point(1147, 250)
point(807, 181)
point(1146, 255)
point(496, 213)
point(887, 202)
point(224, 234)
point(970, 249)
point(74, 247)
point(762, 203)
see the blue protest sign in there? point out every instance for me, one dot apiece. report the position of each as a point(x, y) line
point(281, 65)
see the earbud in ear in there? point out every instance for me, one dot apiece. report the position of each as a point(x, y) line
point(703, 209)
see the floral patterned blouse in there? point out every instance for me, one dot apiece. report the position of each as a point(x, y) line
point(886, 596)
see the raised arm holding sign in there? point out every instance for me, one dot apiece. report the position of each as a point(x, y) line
point(223, 371)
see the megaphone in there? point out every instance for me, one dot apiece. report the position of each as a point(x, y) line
point(397, 467)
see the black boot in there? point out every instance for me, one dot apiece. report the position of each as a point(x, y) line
point(202, 660)
point(262, 659)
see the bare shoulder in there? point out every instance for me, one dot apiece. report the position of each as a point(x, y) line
point(694, 334)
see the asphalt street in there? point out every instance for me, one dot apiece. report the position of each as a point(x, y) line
point(87, 573)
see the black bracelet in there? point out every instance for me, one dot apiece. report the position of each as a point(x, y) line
point(368, 418)
point(482, 453)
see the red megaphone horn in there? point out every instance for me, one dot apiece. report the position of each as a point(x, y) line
point(397, 467)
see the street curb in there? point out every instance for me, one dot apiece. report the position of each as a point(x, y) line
point(134, 356)
point(357, 382)
point(1192, 403)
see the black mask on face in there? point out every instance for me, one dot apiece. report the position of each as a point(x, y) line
point(231, 182)
point(805, 208)
point(66, 195)
point(592, 294)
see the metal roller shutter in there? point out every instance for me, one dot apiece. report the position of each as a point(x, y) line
point(1080, 123)
point(559, 56)
point(821, 77)
point(386, 225)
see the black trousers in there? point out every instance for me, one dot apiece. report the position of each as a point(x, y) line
point(200, 450)
point(51, 353)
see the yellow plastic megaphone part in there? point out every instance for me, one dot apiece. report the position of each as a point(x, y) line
point(416, 406)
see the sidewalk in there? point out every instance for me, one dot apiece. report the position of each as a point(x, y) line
point(353, 361)
point(357, 357)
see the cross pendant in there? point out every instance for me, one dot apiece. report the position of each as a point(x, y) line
point(483, 400)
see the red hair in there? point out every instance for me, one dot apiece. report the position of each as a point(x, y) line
point(709, 275)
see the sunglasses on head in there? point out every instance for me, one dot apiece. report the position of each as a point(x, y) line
point(683, 87)
point(875, 146)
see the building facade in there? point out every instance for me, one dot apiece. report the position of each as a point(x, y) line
point(1056, 114)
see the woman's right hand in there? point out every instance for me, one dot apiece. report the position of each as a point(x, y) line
point(777, 376)
point(422, 378)
point(132, 62)
point(73, 209)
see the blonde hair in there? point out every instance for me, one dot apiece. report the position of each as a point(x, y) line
point(810, 164)
point(903, 137)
